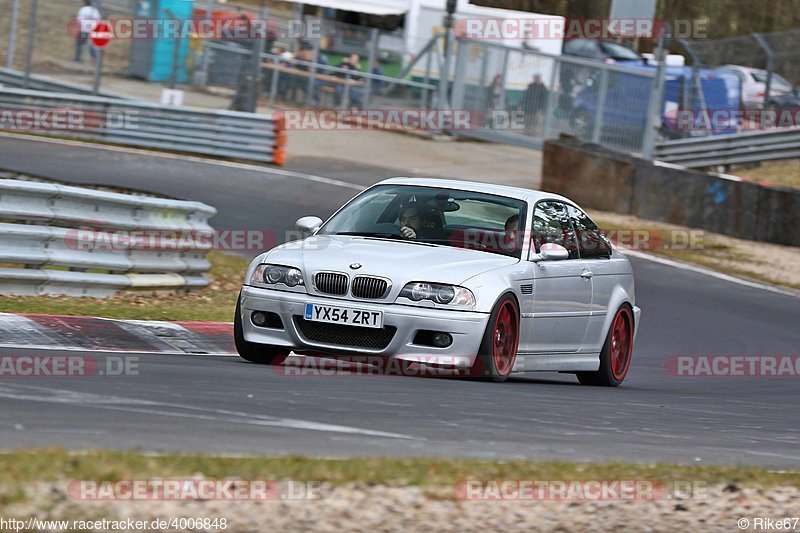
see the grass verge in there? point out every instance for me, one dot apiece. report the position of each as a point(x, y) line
point(784, 173)
point(51, 464)
point(716, 252)
point(215, 303)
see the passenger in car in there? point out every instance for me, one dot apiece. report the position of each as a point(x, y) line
point(510, 238)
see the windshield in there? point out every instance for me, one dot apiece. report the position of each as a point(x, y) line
point(431, 215)
point(778, 82)
point(617, 51)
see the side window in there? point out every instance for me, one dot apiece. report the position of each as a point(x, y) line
point(591, 241)
point(551, 224)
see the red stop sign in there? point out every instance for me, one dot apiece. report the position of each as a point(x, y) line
point(101, 34)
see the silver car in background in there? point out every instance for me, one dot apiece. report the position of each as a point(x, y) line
point(754, 85)
point(489, 278)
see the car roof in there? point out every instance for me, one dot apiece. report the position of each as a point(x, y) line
point(529, 195)
point(742, 68)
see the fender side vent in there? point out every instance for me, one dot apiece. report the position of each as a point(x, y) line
point(526, 289)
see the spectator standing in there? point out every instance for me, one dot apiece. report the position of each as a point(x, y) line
point(355, 93)
point(534, 102)
point(493, 99)
point(87, 18)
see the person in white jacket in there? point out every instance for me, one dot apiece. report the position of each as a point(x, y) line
point(87, 19)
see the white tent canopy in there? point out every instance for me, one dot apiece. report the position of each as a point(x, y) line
point(371, 7)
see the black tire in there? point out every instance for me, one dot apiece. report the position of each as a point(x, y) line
point(263, 354)
point(612, 372)
point(486, 364)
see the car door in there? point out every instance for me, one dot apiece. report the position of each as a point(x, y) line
point(562, 290)
point(595, 252)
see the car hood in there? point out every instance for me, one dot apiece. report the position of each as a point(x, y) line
point(400, 261)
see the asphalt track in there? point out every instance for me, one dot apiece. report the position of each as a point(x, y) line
point(222, 404)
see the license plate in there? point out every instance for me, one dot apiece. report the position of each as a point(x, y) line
point(344, 315)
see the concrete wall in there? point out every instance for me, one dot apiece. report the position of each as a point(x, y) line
point(601, 179)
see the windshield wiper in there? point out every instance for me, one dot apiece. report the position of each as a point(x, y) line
point(370, 234)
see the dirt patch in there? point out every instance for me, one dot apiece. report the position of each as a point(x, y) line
point(384, 508)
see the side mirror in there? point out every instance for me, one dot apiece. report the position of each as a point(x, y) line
point(308, 225)
point(551, 251)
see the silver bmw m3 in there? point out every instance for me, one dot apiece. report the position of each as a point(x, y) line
point(492, 279)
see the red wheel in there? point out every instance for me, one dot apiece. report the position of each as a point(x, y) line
point(615, 359)
point(506, 338)
point(500, 341)
point(621, 345)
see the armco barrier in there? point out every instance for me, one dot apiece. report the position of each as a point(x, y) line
point(746, 147)
point(227, 134)
point(601, 179)
point(44, 223)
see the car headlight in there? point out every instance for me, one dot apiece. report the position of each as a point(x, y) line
point(274, 274)
point(439, 293)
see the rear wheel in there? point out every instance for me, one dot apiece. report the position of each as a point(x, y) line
point(264, 354)
point(498, 350)
point(615, 359)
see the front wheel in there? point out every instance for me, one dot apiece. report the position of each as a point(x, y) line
point(615, 359)
point(263, 354)
point(498, 350)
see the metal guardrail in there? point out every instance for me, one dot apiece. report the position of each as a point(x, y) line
point(749, 147)
point(59, 239)
point(16, 79)
point(229, 134)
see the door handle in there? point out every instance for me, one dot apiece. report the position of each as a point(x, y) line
point(587, 274)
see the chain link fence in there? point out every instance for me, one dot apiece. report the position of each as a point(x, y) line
point(290, 81)
point(775, 55)
point(528, 94)
point(512, 94)
point(53, 39)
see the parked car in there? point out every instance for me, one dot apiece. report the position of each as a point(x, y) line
point(440, 272)
point(601, 50)
point(785, 102)
point(754, 84)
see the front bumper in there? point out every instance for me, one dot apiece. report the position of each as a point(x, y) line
point(466, 327)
